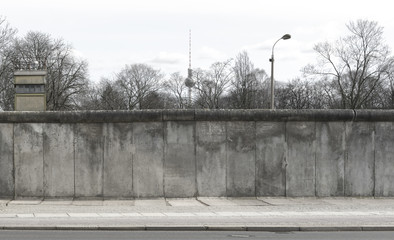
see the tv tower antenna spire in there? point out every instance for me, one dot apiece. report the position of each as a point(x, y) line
point(190, 48)
point(189, 80)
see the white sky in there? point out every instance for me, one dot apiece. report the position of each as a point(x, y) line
point(111, 34)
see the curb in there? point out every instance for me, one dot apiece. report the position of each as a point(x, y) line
point(202, 228)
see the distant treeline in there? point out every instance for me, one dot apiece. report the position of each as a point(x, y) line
point(356, 71)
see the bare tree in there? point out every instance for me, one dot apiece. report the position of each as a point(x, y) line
point(245, 86)
point(67, 76)
point(106, 95)
point(67, 82)
point(137, 82)
point(111, 96)
point(7, 35)
point(177, 89)
point(302, 94)
point(296, 94)
point(211, 85)
point(390, 91)
point(386, 88)
point(262, 98)
point(356, 64)
point(155, 100)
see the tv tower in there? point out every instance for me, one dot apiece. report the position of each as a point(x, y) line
point(189, 80)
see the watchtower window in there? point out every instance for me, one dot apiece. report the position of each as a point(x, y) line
point(30, 88)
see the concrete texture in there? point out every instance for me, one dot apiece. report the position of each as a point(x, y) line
point(148, 162)
point(179, 159)
point(89, 160)
point(211, 158)
point(359, 164)
point(58, 160)
point(6, 160)
point(178, 154)
point(241, 163)
point(300, 171)
point(330, 158)
point(270, 159)
point(118, 160)
point(384, 159)
point(29, 158)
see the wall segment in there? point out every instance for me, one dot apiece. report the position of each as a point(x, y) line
point(189, 153)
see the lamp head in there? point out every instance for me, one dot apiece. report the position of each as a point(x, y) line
point(286, 36)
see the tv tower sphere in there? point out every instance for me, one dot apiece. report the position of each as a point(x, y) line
point(189, 82)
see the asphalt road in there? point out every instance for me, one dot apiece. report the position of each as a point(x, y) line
point(196, 235)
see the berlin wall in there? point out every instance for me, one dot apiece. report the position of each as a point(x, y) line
point(192, 153)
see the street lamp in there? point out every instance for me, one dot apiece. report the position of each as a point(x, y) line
point(285, 37)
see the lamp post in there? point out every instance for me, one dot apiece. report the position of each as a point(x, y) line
point(285, 37)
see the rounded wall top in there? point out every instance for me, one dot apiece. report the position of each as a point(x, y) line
point(195, 115)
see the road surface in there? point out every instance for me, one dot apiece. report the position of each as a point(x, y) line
point(192, 235)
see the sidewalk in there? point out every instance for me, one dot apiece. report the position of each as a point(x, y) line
point(243, 214)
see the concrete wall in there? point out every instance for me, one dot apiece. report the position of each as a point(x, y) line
point(59, 161)
point(189, 153)
point(7, 181)
point(179, 159)
point(271, 149)
point(148, 160)
point(211, 158)
point(330, 158)
point(29, 159)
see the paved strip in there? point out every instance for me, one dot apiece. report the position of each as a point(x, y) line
point(199, 214)
point(201, 228)
point(180, 214)
point(185, 203)
point(152, 214)
point(84, 215)
point(25, 215)
point(51, 215)
point(23, 202)
point(216, 201)
point(88, 203)
point(8, 215)
point(150, 202)
point(248, 202)
point(244, 214)
point(131, 214)
point(110, 215)
point(57, 202)
point(205, 214)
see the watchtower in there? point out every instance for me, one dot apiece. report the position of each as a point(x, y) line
point(30, 90)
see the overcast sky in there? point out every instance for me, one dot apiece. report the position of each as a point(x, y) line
point(111, 34)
